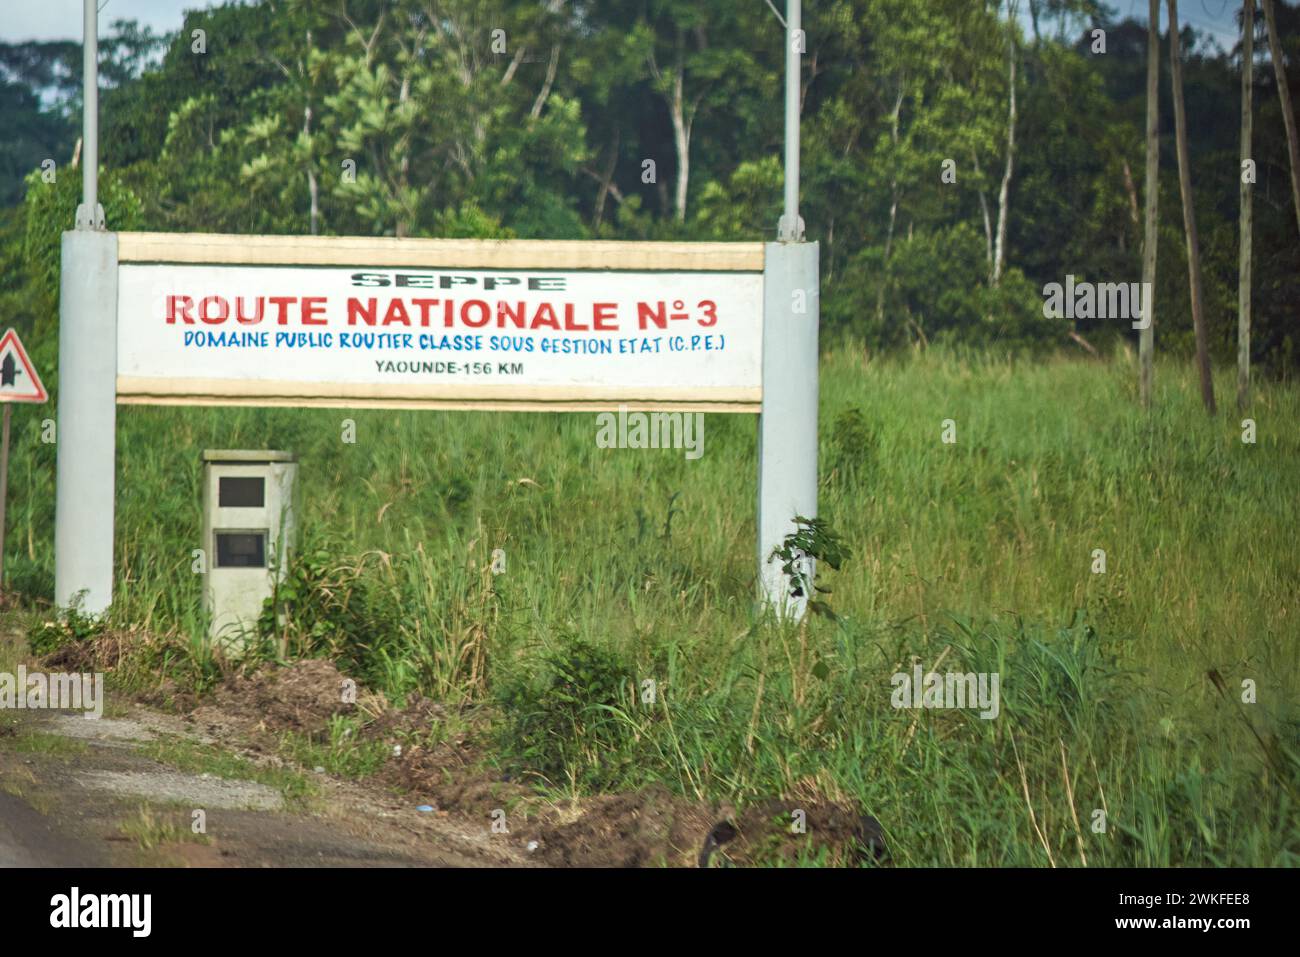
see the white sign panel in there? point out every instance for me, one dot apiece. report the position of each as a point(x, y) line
point(403, 336)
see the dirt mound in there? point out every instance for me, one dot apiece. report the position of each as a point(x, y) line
point(650, 828)
point(300, 697)
point(654, 828)
point(100, 653)
point(765, 834)
point(452, 777)
point(419, 715)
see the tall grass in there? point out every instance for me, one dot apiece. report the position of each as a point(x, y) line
point(972, 556)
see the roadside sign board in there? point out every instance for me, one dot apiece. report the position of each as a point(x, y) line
point(385, 322)
point(440, 335)
point(19, 381)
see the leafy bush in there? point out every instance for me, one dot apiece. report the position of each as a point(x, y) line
point(813, 538)
point(329, 607)
point(573, 721)
point(47, 637)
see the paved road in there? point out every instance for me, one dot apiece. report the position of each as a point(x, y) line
point(28, 840)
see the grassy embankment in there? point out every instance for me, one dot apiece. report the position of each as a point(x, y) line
point(623, 566)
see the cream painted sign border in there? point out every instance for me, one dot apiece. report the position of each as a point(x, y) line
point(715, 363)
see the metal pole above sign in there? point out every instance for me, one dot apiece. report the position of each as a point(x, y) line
point(787, 441)
point(790, 229)
point(87, 407)
point(90, 215)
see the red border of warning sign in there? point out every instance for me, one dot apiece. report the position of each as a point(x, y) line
point(40, 394)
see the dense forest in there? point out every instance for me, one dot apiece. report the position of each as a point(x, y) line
point(958, 156)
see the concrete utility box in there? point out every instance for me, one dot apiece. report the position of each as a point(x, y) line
point(248, 526)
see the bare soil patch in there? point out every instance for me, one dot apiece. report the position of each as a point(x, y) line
point(301, 697)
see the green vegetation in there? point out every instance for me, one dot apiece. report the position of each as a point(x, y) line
point(621, 646)
point(570, 718)
point(623, 567)
point(150, 831)
point(338, 749)
point(31, 741)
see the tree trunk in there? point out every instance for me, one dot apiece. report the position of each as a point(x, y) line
point(1130, 190)
point(682, 141)
point(606, 179)
point(403, 226)
point(677, 110)
point(1151, 231)
point(1284, 95)
point(1189, 213)
point(984, 210)
point(893, 208)
point(1000, 249)
point(545, 92)
point(313, 188)
point(1244, 250)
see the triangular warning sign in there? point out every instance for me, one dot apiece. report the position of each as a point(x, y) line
point(18, 379)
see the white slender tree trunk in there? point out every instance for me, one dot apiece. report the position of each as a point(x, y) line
point(313, 188)
point(1151, 231)
point(682, 142)
point(984, 211)
point(1244, 249)
point(1004, 191)
point(893, 207)
point(1189, 214)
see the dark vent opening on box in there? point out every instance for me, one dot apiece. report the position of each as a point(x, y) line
point(241, 492)
point(241, 549)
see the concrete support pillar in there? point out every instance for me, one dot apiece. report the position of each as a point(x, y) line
point(787, 440)
point(87, 421)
